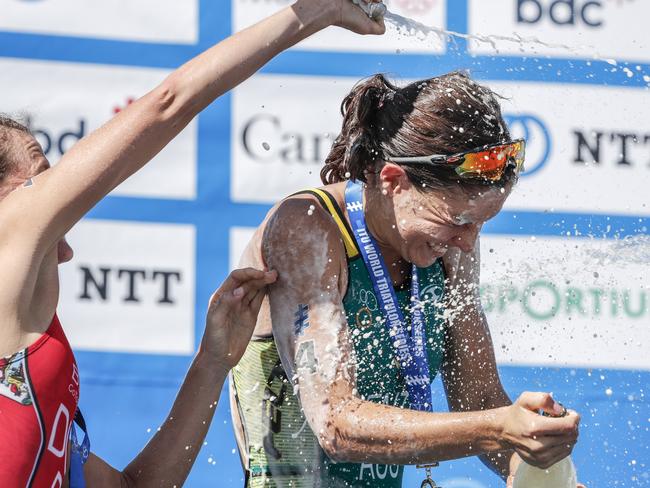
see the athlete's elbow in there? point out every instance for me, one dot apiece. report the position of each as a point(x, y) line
point(334, 445)
point(127, 480)
point(336, 438)
point(169, 104)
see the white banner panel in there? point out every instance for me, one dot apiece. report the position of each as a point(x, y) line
point(568, 302)
point(283, 128)
point(396, 39)
point(165, 21)
point(130, 287)
point(589, 147)
point(79, 98)
point(589, 27)
point(239, 239)
point(597, 139)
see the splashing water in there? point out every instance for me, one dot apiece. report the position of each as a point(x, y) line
point(409, 27)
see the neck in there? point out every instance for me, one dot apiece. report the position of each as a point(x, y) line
point(380, 222)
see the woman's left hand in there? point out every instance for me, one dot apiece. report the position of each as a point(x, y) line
point(232, 315)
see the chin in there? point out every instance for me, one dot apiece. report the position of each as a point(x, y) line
point(425, 259)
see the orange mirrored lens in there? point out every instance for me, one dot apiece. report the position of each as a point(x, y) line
point(490, 164)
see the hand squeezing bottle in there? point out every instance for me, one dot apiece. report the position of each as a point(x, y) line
point(561, 475)
point(373, 9)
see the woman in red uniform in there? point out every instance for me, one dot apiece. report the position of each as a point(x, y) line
point(39, 382)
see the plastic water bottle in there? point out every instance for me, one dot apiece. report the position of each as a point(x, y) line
point(561, 475)
point(372, 9)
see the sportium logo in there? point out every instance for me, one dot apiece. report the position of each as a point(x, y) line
point(544, 299)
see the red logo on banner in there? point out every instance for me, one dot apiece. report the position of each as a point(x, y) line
point(117, 109)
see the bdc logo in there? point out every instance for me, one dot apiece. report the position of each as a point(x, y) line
point(538, 140)
point(58, 141)
point(560, 12)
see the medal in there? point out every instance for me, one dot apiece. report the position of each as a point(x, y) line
point(409, 345)
point(428, 482)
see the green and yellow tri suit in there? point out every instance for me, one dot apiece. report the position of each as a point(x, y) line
point(282, 450)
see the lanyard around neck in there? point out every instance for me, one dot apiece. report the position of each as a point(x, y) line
point(410, 348)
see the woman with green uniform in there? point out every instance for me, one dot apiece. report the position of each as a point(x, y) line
point(378, 293)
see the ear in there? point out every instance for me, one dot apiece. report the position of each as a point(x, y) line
point(393, 179)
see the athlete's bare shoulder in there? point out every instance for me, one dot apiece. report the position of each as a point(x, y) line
point(293, 238)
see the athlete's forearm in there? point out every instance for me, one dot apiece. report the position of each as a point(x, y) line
point(499, 462)
point(363, 431)
point(233, 60)
point(109, 155)
point(168, 457)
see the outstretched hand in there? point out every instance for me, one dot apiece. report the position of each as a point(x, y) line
point(232, 314)
point(352, 17)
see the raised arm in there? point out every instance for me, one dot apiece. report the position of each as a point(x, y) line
point(169, 456)
point(472, 381)
point(304, 246)
point(60, 196)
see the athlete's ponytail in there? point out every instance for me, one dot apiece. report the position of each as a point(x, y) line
point(358, 145)
point(442, 115)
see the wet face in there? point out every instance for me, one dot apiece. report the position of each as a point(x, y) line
point(29, 161)
point(428, 224)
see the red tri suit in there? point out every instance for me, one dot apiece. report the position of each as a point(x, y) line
point(39, 391)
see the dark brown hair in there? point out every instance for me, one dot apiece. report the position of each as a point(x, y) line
point(7, 149)
point(443, 115)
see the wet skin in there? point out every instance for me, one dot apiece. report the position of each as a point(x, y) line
point(410, 226)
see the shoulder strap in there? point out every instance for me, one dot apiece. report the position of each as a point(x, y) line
point(328, 203)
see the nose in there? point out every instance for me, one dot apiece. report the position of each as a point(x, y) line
point(64, 251)
point(465, 238)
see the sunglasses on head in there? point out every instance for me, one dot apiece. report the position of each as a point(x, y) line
point(486, 163)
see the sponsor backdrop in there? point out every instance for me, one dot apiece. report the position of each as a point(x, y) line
point(565, 265)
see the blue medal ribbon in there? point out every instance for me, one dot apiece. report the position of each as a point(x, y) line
point(410, 348)
point(78, 452)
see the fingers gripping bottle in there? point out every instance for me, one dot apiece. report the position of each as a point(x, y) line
point(561, 475)
point(374, 10)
